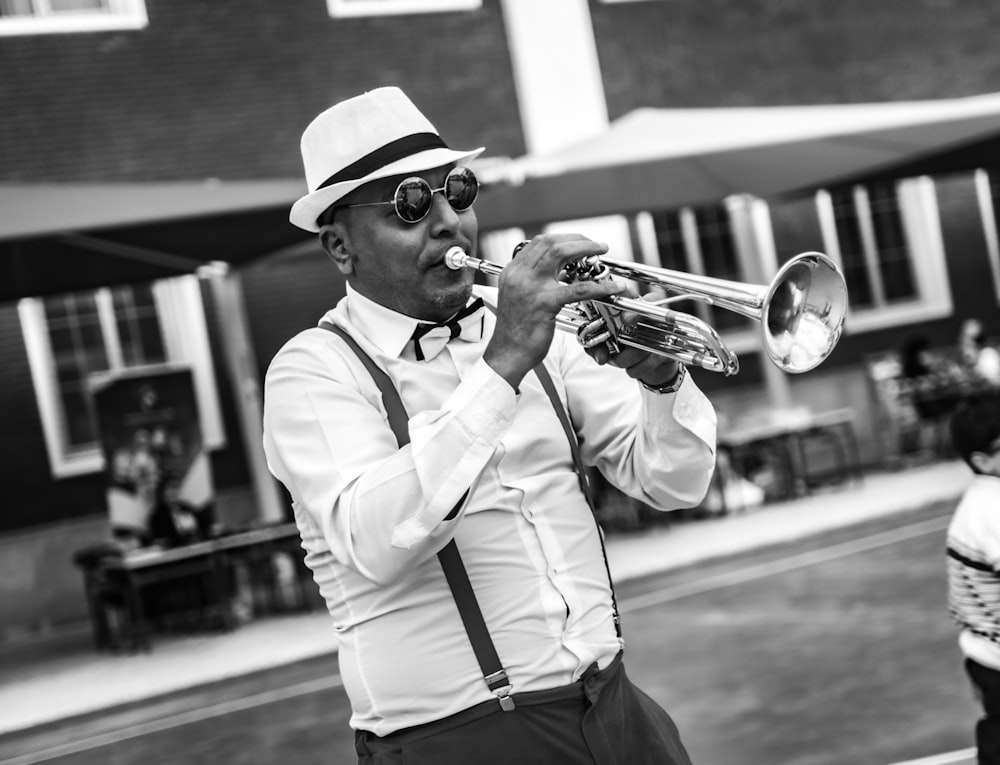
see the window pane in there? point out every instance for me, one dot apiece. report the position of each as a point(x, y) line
point(718, 252)
point(16, 8)
point(80, 416)
point(54, 7)
point(672, 250)
point(852, 253)
point(78, 351)
point(669, 240)
point(79, 348)
point(138, 326)
point(80, 5)
point(892, 253)
point(70, 6)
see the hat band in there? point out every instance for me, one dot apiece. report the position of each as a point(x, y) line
point(385, 155)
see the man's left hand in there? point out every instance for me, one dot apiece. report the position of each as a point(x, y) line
point(650, 368)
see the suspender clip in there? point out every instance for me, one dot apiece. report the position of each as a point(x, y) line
point(502, 692)
point(505, 699)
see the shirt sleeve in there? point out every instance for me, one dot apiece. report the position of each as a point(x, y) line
point(382, 509)
point(657, 448)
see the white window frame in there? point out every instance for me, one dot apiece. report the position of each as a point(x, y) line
point(185, 338)
point(123, 15)
point(921, 219)
point(750, 226)
point(356, 8)
point(988, 213)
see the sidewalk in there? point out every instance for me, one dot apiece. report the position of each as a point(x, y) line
point(61, 676)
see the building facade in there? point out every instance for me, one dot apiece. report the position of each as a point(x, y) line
point(159, 91)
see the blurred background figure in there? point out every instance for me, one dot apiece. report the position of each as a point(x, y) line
point(979, 357)
point(973, 551)
point(924, 410)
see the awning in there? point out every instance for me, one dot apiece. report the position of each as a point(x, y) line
point(64, 237)
point(665, 158)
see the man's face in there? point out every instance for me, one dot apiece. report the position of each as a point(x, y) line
point(398, 264)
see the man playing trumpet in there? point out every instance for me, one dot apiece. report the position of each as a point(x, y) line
point(433, 435)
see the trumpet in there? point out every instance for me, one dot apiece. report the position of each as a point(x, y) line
point(801, 312)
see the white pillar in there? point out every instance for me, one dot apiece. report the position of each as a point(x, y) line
point(560, 91)
point(230, 312)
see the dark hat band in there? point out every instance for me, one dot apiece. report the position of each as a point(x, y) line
point(385, 155)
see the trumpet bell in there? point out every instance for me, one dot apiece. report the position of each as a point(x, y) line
point(803, 312)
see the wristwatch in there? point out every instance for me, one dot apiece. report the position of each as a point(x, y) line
point(672, 385)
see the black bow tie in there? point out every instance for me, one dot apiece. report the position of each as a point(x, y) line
point(467, 324)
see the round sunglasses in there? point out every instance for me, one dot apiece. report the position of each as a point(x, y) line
point(414, 196)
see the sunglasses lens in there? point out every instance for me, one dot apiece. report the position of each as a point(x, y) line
point(413, 199)
point(461, 188)
point(414, 195)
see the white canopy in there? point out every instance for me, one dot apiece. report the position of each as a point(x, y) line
point(663, 158)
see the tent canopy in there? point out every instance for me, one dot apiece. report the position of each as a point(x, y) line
point(64, 237)
point(665, 158)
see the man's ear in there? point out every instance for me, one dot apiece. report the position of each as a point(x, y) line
point(333, 238)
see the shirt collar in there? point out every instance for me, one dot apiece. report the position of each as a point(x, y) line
point(388, 330)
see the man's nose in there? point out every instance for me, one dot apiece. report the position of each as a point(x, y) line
point(441, 208)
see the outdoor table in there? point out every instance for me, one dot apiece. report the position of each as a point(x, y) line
point(211, 561)
point(786, 439)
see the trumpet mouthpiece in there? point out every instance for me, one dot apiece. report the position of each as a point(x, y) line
point(454, 258)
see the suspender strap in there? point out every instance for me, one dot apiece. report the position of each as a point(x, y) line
point(398, 419)
point(581, 471)
point(451, 561)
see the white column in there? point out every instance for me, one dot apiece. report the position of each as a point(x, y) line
point(227, 292)
point(560, 91)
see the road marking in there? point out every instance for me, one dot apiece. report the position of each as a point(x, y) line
point(960, 755)
point(177, 720)
point(783, 565)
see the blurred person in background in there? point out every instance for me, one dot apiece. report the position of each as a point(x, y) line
point(974, 562)
point(926, 398)
point(980, 358)
point(481, 465)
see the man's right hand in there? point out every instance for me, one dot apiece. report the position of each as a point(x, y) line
point(531, 296)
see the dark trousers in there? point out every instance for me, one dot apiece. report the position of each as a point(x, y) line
point(986, 683)
point(602, 719)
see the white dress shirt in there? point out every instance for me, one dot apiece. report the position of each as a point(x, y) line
point(372, 516)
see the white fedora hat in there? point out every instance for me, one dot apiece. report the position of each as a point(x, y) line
point(378, 134)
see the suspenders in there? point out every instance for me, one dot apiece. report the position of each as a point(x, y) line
point(494, 674)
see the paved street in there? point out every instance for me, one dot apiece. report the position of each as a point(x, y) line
point(825, 651)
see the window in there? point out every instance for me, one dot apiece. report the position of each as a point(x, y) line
point(72, 337)
point(30, 17)
point(887, 240)
point(988, 194)
point(701, 241)
point(341, 8)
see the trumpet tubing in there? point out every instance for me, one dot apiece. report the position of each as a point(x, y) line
point(801, 312)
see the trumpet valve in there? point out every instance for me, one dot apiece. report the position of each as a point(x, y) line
point(603, 325)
